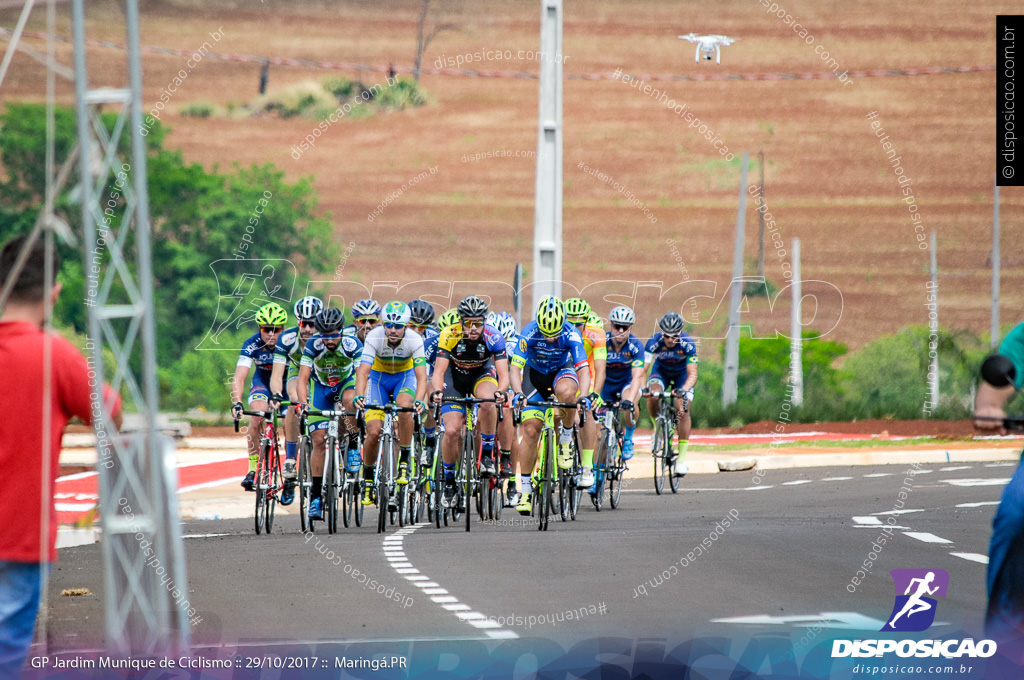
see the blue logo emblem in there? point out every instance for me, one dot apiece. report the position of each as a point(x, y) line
point(916, 590)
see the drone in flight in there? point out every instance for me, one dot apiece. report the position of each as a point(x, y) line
point(708, 45)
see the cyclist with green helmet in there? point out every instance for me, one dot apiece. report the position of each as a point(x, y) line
point(393, 366)
point(548, 363)
point(257, 351)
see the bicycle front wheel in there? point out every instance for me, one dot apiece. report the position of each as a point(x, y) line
point(304, 481)
point(261, 483)
point(330, 485)
point(545, 497)
point(659, 450)
point(274, 486)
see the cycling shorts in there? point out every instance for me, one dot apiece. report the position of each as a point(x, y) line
point(326, 398)
point(541, 386)
point(383, 388)
point(461, 384)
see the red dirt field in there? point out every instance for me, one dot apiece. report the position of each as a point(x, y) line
point(827, 176)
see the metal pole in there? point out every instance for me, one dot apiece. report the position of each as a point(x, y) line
point(547, 218)
point(933, 330)
point(732, 340)
point(762, 209)
point(517, 295)
point(796, 344)
point(995, 265)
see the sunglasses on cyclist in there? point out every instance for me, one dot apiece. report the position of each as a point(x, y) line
point(307, 324)
point(332, 336)
point(271, 329)
point(473, 323)
point(418, 327)
point(393, 326)
point(670, 337)
point(620, 327)
point(367, 320)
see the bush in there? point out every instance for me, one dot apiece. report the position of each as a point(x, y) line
point(197, 110)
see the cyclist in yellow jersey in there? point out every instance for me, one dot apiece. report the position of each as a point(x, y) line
point(591, 329)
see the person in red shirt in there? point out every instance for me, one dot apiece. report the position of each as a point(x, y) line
point(53, 383)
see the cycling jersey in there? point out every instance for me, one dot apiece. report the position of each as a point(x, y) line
point(466, 355)
point(430, 336)
point(256, 352)
point(670, 360)
point(619, 364)
point(594, 343)
point(384, 358)
point(331, 367)
point(548, 355)
point(288, 350)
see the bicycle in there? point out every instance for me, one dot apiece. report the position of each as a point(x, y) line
point(661, 440)
point(351, 507)
point(545, 473)
point(385, 471)
point(333, 477)
point(610, 465)
point(268, 481)
point(467, 473)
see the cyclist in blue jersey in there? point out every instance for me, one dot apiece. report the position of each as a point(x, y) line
point(671, 357)
point(624, 371)
point(257, 351)
point(365, 317)
point(329, 359)
point(421, 320)
point(287, 353)
point(548, 363)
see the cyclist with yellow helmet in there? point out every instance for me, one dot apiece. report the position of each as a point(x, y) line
point(548, 363)
point(257, 351)
point(591, 329)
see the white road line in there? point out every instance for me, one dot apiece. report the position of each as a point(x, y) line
point(996, 481)
point(868, 520)
point(1001, 465)
point(878, 474)
point(835, 479)
point(921, 472)
point(926, 537)
point(795, 482)
point(955, 467)
point(440, 596)
point(900, 512)
point(977, 505)
point(875, 526)
point(973, 557)
point(758, 488)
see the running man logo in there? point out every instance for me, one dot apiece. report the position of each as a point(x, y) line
point(243, 286)
point(916, 589)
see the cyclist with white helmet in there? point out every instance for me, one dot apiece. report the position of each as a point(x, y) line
point(471, 362)
point(287, 354)
point(548, 363)
point(671, 356)
point(506, 325)
point(624, 371)
point(257, 351)
point(393, 367)
point(365, 317)
point(329, 359)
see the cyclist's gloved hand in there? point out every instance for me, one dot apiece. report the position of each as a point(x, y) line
point(419, 406)
point(236, 410)
point(584, 402)
point(500, 397)
point(301, 408)
point(518, 400)
point(626, 405)
point(436, 396)
point(359, 401)
point(596, 400)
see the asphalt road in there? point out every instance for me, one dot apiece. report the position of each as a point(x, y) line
point(731, 558)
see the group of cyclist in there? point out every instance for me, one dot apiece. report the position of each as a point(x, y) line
point(402, 353)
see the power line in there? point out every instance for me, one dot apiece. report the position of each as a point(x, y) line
point(467, 73)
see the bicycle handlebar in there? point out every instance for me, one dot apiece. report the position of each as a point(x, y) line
point(553, 404)
point(259, 414)
point(465, 401)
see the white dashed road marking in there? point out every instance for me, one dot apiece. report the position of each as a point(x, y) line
point(395, 553)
